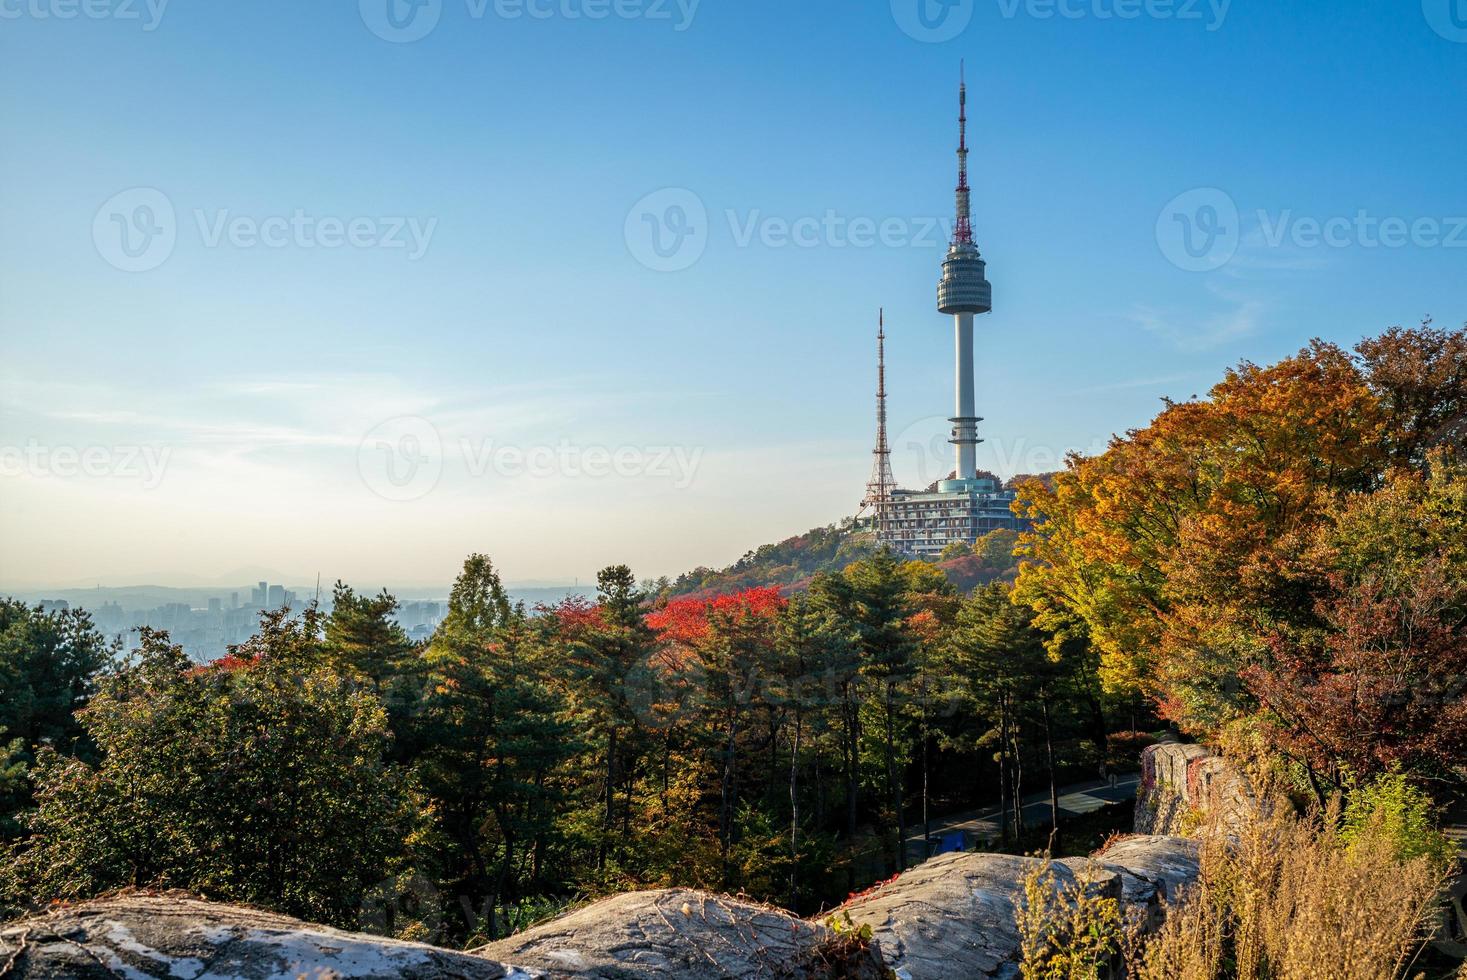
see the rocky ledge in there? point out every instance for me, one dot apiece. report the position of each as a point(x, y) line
point(950, 917)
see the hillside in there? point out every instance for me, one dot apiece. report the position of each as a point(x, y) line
point(791, 563)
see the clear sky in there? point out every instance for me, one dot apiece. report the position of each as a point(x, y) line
point(357, 289)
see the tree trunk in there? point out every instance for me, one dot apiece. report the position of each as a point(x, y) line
point(851, 750)
point(1018, 795)
point(926, 783)
point(1049, 763)
point(1003, 771)
point(1098, 724)
point(727, 790)
point(893, 784)
point(608, 817)
point(795, 816)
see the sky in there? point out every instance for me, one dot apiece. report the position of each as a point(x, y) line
point(359, 288)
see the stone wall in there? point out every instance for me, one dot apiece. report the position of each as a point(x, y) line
point(1180, 783)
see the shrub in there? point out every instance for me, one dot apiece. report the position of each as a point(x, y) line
point(1401, 815)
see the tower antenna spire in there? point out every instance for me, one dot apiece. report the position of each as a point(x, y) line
point(963, 228)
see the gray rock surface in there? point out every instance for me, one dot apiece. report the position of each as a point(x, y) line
point(142, 937)
point(671, 932)
point(954, 916)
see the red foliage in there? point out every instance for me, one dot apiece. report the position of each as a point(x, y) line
point(870, 889)
point(575, 616)
point(227, 664)
point(1384, 688)
point(688, 620)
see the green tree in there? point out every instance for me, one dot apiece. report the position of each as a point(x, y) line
point(255, 780)
point(835, 597)
point(492, 735)
point(50, 664)
point(14, 787)
point(881, 606)
point(1002, 662)
point(363, 639)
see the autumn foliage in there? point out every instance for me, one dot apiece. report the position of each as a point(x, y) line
point(1283, 556)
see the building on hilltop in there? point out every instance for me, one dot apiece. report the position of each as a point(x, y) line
point(967, 505)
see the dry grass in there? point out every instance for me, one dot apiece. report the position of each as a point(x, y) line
point(1286, 898)
point(1067, 931)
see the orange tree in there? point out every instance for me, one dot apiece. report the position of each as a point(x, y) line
point(1180, 552)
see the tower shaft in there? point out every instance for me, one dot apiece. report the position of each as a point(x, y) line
point(965, 418)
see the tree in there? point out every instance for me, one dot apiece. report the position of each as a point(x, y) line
point(363, 639)
point(730, 644)
point(492, 733)
point(254, 780)
point(612, 651)
point(1420, 377)
point(14, 787)
point(881, 605)
point(834, 597)
point(957, 549)
point(1002, 659)
point(1176, 547)
point(1380, 685)
point(50, 665)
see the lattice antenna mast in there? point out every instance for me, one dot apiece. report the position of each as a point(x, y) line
point(963, 229)
point(882, 448)
point(882, 483)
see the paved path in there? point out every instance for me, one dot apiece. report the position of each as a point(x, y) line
point(982, 825)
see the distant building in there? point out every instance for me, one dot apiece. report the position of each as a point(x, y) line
point(276, 598)
point(923, 523)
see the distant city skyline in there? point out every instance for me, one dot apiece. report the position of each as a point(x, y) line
point(313, 289)
point(206, 625)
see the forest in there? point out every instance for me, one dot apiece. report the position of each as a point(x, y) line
point(1278, 569)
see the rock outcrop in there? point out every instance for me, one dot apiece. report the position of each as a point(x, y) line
point(682, 933)
point(954, 916)
point(950, 917)
point(142, 937)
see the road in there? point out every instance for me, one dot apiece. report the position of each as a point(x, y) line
point(1075, 800)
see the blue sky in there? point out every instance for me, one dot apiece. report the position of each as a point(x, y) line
point(394, 302)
